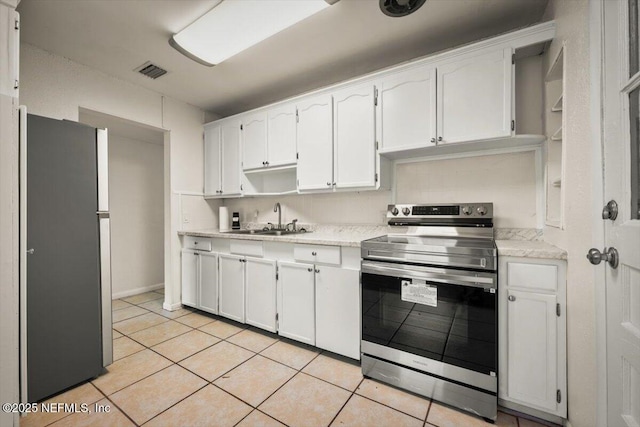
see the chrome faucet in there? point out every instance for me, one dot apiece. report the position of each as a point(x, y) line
point(278, 208)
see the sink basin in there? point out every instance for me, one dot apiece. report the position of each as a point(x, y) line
point(245, 232)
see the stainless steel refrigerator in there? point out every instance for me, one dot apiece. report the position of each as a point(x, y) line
point(66, 330)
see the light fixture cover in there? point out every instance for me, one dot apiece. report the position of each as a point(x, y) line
point(234, 25)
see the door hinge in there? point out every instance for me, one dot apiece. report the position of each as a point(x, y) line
point(297, 156)
point(241, 187)
point(376, 177)
point(375, 96)
point(241, 127)
point(558, 309)
point(16, 84)
point(513, 58)
point(297, 116)
point(277, 319)
point(377, 145)
point(513, 125)
point(277, 277)
point(16, 25)
point(558, 396)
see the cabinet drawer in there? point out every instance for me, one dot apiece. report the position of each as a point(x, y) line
point(199, 243)
point(246, 247)
point(314, 253)
point(532, 276)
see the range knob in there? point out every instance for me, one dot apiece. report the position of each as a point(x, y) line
point(481, 210)
point(394, 211)
point(466, 210)
point(406, 211)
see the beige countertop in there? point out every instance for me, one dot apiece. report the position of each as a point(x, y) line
point(511, 244)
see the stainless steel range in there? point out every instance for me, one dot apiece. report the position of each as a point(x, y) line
point(429, 305)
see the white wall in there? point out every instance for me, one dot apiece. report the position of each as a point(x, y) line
point(137, 215)
point(572, 20)
point(507, 180)
point(56, 87)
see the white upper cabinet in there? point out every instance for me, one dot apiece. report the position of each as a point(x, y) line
point(315, 143)
point(281, 128)
point(222, 159)
point(230, 164)
point(354, 137)
point(407, 109)
point(9, 51)
point(254, 141)
point(474, 97)
point(212, 150)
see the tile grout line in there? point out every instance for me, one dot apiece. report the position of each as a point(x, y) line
point(175, 404)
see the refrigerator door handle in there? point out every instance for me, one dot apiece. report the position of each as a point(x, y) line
point(105, 283)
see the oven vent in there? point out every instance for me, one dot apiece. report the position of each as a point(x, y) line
point(151, 70)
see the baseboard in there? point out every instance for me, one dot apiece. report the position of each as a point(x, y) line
point(172, 307)
point(525, 412)
point(137, 291)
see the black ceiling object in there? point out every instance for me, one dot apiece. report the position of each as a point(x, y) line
point(398, 8)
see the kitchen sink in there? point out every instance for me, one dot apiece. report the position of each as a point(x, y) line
point(267, 232)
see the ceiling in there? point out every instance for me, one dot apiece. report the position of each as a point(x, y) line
point(348, 39)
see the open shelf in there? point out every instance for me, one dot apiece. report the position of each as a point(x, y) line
point(555, 71)
point(557, 136)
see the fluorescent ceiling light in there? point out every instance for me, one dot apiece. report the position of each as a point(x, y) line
point(235, 25)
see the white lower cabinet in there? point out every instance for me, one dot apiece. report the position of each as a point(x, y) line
point(231, 276)
point(296, 302)
point(533, 336)
point(338, 310)
point(200, 280)
point(260, 288)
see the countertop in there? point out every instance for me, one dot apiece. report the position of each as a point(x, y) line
point(510, 242)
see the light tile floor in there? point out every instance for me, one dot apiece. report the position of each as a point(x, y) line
point(187, 368)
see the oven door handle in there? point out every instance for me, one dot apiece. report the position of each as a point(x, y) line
point(420, 273)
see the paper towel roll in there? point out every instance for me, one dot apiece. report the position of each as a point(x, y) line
point(224, 218)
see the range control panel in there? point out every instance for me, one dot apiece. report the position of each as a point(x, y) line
point(449, 211)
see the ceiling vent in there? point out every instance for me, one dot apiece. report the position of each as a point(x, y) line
point(151, 70)
point(398, 8)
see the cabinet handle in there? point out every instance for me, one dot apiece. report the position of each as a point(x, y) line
point(439, 138)
point(328, 184)
point(511, 298)
point(195, 243)
point(314, 253)
point(309, 270)
point(266, 163)
point(317, 270)
point(240, 260)
point(433, 140)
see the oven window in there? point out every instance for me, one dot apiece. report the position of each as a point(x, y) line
point(460, 330)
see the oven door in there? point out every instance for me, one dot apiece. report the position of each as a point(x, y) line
point(436, 320)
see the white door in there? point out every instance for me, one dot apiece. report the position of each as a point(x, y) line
point(474, 98)
point(296, 302)
point(231, 284)
point(407, 110)
point(532, 349)
point(314, 134)
point(208, 282)
point(254, 141)
point(260, 287)
point(189, 278)
point(212, 184)
point(354, 127)
point(621, 140)
point(281, 140)
point(230, 165)
point(338, 310)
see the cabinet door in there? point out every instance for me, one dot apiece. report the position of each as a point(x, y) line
point(231, 281)
point(407, 110)
point(474, 98)
point(212, 183)
point(296, 302)
point(9, 51)
point(532, 349)
point(314, 134)
point(230, 141)
point(190, 278)
point(281, 145)
point(354, 159)
point(208, 282)
point(254, 141)
point(338, 310)
point(260, 285)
